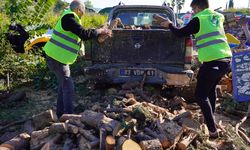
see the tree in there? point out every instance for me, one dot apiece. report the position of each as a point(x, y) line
point(88, 4)
point(178, 3)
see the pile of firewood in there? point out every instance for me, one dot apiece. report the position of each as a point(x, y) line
point(134, 121)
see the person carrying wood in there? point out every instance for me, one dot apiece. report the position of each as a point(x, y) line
point(213, 51)
point(63, 48)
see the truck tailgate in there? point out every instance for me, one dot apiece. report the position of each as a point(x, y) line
point(141, 46)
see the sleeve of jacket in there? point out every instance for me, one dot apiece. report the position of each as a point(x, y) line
point(70, 24)
point(191, 28)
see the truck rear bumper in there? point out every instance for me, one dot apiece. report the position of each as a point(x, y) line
point(152, 74)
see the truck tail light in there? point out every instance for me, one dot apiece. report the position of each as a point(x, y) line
point(189, 50)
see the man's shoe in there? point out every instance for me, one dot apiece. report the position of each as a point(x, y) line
point(213, 135)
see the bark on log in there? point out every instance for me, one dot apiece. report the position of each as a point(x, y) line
point(82, 142)
point(72, 128)
point(186, 140)
point(37, 138)
point(6, 136)
point(163, 139)
point(77, 123)
point(65, 117)
point(186, 114)
point(142, 137)
point(171, 130)
point(29, 127)
point(68, 144)
point(19, 142)
point(120, 141)
point(50, 144)
point(158, 109)
point(151, 144)
point(58, 128)
point(88, 135)
point(103, 135)
point(44, 119)
point(99, 120)
point(110, 143)
point(130, 145)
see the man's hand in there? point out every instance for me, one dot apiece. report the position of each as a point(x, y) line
point(166, 23)
point(103, 31)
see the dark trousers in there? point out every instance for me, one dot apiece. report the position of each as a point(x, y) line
point(208, 77)
point(65, 87)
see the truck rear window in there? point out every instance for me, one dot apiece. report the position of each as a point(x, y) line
point(139, 18)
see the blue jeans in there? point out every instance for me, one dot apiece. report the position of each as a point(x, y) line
point(65, 87)
point(208, 77)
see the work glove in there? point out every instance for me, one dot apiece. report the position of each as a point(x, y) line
point(82, 50)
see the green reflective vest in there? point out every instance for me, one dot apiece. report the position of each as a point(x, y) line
point(63, 45)
point(211, 40)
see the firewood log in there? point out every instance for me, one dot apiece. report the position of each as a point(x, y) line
point(77, 123)
point(163, 139)
point(171, 130)
point(130, 145)
point(151, 144)
point(65, 117)
point(186, 114)
point(72, 128)
point(84, 144)
point(68, 144)
point(44, 119)
point(110, 143)
point(99, 120)
point(28, 127)
point(58, 128)
point(53, 139)
point(88, 135)
point(120, 141)
point(19, 142)
point(103, 135)
point(187, 140)
point(158, 109)
point(38, 138)
point(142, 137)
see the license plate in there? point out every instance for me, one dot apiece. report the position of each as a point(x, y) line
point(137, 72)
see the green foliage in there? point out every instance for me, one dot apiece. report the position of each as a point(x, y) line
point(88, 4)
point(59, 6)
point(93, 20)
point(245, 11)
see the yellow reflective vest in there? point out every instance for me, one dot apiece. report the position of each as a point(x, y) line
point(211, 40)
point(63, 45)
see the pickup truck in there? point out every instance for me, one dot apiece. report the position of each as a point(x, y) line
point(140, 49)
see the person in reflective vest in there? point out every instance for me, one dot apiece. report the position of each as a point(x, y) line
point(213, 52)
point(63, 48)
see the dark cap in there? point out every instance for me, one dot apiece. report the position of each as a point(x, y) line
point(200, 3)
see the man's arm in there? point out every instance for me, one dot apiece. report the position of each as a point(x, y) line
point(191, 28)
point(70, 24)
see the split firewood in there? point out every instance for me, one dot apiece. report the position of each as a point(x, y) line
point(171, 130)
point(68, 144)
point(84, 144)
point(177, 101)
point(140, 92)
point(77, 123)
point(44, 119)
point(53, 139)
point(241, 133)
point(65, 117)
point(88, 135)
point(129, 95)
point(158, 109)
point(190, 123)
point(58, 128)
point(110, 143)
point(119, 110)
point(130, 101)
point(99, 120)
point(120, 141)
point(184, 143)
point(163, 139)
point(19, 142)
point(244, 137)
point(114, 23)
point(103, 135)
point(159, 19)
point(72, 128)
point(130, 145)
point(38, 138)
point(186, 114)
point(151, 144)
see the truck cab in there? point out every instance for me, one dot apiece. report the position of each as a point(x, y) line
point(141, 49)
